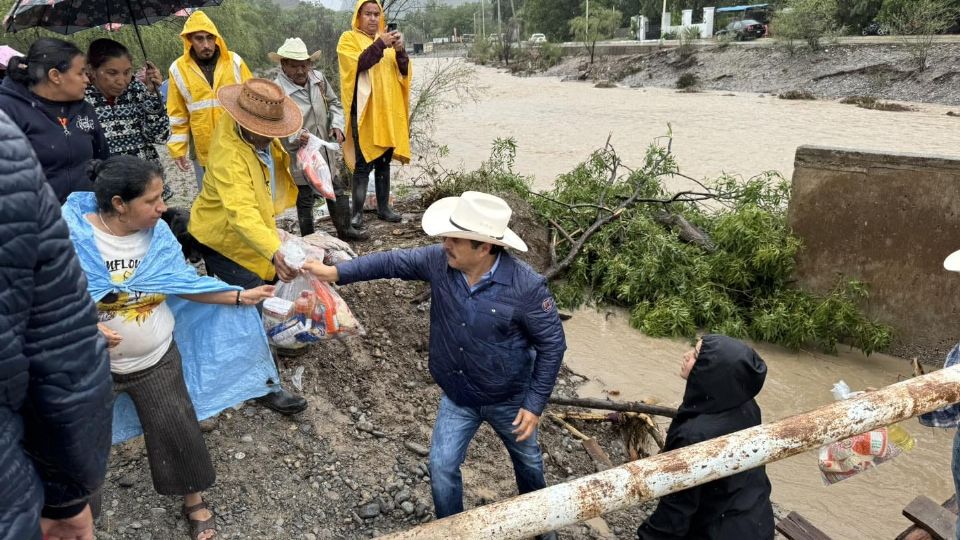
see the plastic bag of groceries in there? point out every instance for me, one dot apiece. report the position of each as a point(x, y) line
point(306, 310)
point(312, 160)
point(849, 457)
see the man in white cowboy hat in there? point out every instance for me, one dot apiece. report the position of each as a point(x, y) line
point(496, 342)
point(246, 184)
point(322, 117)
point(949, 417)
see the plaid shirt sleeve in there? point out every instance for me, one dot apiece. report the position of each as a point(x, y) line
point(949, 416)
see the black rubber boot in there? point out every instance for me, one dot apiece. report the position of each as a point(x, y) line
point(360, 182)
point(340, 215)
point(305, 202)
point(382, 183)
point(306, 223)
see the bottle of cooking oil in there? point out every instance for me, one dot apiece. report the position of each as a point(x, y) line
point(900, 437)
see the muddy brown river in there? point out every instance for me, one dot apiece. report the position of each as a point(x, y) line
point(557, 124)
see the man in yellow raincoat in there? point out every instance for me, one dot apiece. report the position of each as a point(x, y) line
point(375, 74)
point(246, 185)
point(205, 67)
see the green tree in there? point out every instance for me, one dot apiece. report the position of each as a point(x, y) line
point(917, 22)
point(806, 20)
point(858, 13)
point(601, 25)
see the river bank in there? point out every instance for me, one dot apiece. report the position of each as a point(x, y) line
point(883, 70)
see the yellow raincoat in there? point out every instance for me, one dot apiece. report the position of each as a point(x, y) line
point(235, 212)
point(383, 97)
point(191, 102)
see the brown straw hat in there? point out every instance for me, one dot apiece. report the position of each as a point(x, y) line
point(261, 106)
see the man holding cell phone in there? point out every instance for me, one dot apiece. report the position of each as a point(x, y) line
point(375, 75)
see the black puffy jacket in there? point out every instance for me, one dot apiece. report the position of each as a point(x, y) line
point(55, 388)
point(63, 151)
point(718, 401)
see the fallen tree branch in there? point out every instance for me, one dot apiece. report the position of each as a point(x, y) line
point(624, 406)
point(687, 231)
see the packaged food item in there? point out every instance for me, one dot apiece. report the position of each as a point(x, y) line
point(279, 323)
point(313, 162)
point(849, 457)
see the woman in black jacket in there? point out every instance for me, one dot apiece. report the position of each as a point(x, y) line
point(723, 376)
point(43, 94)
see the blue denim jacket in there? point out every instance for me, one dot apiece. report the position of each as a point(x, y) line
point(499, 343)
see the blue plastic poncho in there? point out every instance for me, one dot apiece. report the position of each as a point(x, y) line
point(226, 359)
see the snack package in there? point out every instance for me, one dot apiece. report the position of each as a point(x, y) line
point(313, 162)
point(849, 457)
point(307, 310)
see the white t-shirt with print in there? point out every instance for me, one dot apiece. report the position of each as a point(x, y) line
point(143, 319)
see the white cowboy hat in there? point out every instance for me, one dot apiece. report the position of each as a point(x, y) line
point(952, 262)
point(293, 49)
point(474, 216)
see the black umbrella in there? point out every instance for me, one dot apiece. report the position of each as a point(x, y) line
point(69, 16)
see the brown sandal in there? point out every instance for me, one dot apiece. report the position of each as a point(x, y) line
point(200, 526)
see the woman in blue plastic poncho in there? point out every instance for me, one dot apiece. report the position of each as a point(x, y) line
point(150, 306)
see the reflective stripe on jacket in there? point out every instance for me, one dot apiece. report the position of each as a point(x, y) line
point(192, 103)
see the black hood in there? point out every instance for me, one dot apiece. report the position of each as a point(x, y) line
point(727, 374)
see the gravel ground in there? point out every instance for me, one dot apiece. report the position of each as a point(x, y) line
point(885, 71)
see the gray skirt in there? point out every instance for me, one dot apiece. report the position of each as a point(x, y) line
point(179, 461)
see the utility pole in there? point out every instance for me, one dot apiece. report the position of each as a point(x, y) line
point(474, 24)
point(499, 22)
point(483, 21)
point(586, 31)
point(664, 23)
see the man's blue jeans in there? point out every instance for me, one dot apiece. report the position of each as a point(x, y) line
point(956, 472)
point(452, 432)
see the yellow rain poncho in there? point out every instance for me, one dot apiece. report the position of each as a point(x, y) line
point(383, 96)
point(235, 212)
point(191, 102)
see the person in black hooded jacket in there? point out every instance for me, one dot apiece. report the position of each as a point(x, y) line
point(56, 400)
point(43, 94)
point(723, 377)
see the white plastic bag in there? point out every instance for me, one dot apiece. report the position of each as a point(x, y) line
point(307, 310)
point(316, 170)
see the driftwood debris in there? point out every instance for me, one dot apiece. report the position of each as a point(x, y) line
point(600, 458)
point(622, 406)
point(931, 522)
point(632, 425)
point(796, 527)
point(687, 231)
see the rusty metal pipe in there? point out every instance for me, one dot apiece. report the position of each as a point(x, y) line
point(646, 479)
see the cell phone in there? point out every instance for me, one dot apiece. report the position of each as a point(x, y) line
point(391, 27)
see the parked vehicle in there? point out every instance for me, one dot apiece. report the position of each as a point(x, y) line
point(875, 29)
point(538, 38)
point(468, 38)
point(745, 29)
